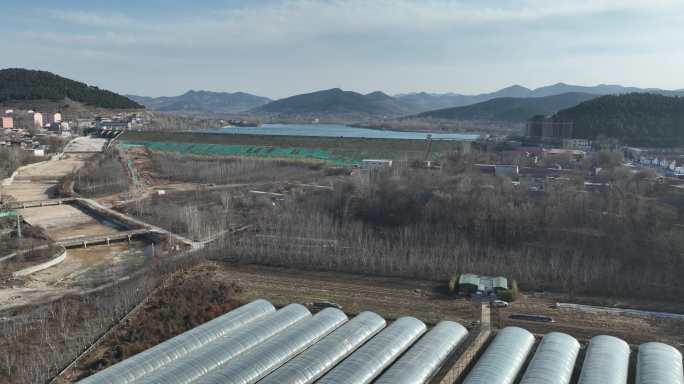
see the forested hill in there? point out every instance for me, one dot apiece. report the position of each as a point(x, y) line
point(203, 103)
point(337, 102)
point(639, 119)
point(509, 109)
point(23, 84)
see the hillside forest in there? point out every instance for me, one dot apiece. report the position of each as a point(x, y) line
point(22, 84)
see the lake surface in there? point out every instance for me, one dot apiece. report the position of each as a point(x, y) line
point(336, 130)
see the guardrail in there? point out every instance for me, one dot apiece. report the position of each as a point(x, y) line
point(103, 239)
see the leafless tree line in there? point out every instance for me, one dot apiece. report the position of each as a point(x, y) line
point(170, 122)
point(12, 158)
point(104, 174)
point(197, 215)
point(230, 170)
point(622, 241)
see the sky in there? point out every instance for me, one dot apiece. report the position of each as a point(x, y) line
point(278, 48)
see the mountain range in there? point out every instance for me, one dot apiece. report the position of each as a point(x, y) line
point(203, 102)
point(430, 101)
point(513, 104)
point(337, 105)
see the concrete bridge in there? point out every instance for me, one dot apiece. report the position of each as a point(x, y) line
point(135, 227)
point(84, 241)
point(36, 203)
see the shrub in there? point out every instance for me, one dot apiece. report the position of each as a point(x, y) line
point(453, 283)
point(514, 290)
point(510, 295)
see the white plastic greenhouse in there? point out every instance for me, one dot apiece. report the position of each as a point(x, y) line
point(554, 361)
point(322, 356)
point(260, 361)
point(257, 344)
point(503, 359)
point(159, 356)
point(606, 361)
point(425, 357)
point(659, 363)
point(212, 356)
point(369, 361)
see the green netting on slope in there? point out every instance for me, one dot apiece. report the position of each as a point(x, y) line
point(238, 150)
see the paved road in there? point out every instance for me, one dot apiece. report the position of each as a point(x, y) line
point(86, 144)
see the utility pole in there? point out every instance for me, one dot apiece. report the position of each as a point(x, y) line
point(19, 226)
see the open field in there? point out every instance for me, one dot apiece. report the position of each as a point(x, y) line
point(429, 301)
point(389, 297)
point(83, 269)
point(324, 148)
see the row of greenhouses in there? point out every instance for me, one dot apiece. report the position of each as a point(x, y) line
point(606, 361)
point(258, 344)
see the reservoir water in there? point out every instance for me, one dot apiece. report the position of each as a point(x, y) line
point(337, 130)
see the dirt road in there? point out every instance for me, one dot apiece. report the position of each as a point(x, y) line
point(428, 301)
point(390, 297)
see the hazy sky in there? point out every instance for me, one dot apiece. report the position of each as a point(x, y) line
point(278, 48)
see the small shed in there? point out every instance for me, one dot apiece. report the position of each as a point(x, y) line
point(483, 285)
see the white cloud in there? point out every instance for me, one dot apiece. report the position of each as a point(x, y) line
point(456, 45)
point(292, 22)
point(91, 18)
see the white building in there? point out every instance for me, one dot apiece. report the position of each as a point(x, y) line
point(375, 163)
point(38, 119)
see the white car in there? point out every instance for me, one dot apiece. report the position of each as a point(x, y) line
point(500, 304)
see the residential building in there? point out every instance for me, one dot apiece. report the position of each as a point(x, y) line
point(7, 122)
point(38, 120)
point(579, 144)
point(574, 153)
point(547, 127)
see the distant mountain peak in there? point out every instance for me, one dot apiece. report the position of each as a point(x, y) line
point(516, 87)
point(204, 103)
point(336, 103)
